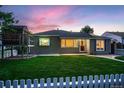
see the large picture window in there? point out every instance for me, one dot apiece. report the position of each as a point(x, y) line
point(69, 43)
point(100, 45)
point(44, 41)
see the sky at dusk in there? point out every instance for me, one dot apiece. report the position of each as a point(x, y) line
point(69, 17)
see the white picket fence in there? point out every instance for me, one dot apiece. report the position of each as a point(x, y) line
point(7, 53)
point(107, 81)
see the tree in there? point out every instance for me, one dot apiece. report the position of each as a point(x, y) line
point(7, 20)
point(87, 29)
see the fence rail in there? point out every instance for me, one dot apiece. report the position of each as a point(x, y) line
point(102, 81)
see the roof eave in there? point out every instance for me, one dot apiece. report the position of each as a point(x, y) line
point(45, 35)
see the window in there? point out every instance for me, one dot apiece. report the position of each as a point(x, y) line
point(100, 45)
point(120, 46)
point(69, 43)
point(62, 43)
point(44, 42)
point(75, 43)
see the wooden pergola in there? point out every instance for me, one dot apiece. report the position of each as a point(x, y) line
point(17, 39)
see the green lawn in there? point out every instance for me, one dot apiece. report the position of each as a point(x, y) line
point(59, 66)
point(120, 57)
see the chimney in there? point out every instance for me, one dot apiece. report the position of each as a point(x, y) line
point(57, 28)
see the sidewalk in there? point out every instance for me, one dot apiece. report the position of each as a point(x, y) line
point(108, 56)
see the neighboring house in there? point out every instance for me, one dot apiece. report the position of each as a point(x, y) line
point(16, 40)
point(117, 42)
point(61, 42)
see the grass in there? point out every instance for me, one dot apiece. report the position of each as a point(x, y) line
point(59, 66)
point(120, 57)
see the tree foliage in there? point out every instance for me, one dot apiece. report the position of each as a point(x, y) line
point(87, 29)
point(8, 19)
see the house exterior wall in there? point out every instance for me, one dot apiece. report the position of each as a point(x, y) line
point(93, 47)
point(69, 50)
point(123, 40)
point(119, 51)
point(55, 47)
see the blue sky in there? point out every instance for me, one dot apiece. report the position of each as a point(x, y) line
point(47, 17)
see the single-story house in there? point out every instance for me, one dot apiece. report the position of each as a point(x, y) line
point(61, 42)
point(117, 42)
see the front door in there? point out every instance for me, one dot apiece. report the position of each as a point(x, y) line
point(82, 46)
point(113, 48)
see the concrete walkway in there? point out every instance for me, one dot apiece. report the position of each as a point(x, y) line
point(108, 56)
point(101, 56)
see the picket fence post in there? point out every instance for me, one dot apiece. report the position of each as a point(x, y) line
point(96, 84)
point(42, 83)
point(1, 84)
point(15, 83)
point(111, 81)
point(48, 83)
point(106, 81)
point(101, 81)
point(28, 83)
point(90, 81)
point(85, 82)
point(35, 83)
point(73, 82)
point(22, 83)
point(79, 82)
point(67, 82)
point(116, 80)
point(122, 80)
point(8, 83)
point(55, 82)
point(61, 81)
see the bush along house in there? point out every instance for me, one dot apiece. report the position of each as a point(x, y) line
point(66, 42)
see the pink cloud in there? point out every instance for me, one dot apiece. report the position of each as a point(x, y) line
point(42, 28)
point(42, 20)
point(51, 13)
point(70, 22)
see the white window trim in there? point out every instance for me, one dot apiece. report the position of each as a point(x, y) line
point(103, 48)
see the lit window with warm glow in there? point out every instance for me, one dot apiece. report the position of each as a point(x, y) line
point(75, 43)
point(100, 45)
point(69, 43)
point(44, 41)
point(63, 43)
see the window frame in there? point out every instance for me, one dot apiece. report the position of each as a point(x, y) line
point(96, 45)
point(40, 44)
point(65, 46)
